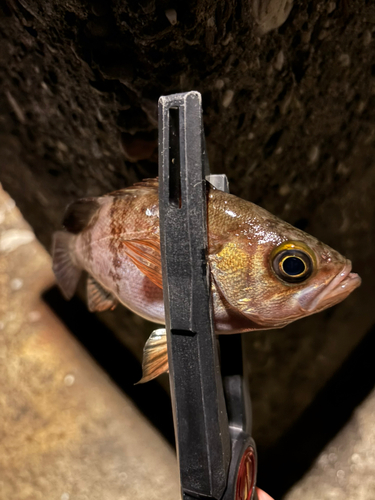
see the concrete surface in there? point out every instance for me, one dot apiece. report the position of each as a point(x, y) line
point(66, 431)
point(345, 470)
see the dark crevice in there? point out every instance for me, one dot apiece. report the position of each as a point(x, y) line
point(33, 32)
point(285, 463)
point(272, 143)
point(5, 8)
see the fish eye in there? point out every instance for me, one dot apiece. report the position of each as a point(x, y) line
point(292, 262)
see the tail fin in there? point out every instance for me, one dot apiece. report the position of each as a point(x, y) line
point(67, 274)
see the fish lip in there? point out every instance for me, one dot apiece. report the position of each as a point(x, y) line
point(338, 289)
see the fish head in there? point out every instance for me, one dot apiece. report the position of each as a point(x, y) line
point(273, 273)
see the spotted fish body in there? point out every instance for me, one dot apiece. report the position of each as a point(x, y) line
point(116, 239)
point(108, 245)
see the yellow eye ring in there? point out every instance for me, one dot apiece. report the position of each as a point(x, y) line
point(293, 262)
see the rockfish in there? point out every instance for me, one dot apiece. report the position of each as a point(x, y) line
point(264, 272)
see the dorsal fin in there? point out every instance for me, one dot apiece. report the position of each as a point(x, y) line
point(99, 299)
point(152, 184)
point(79, 214)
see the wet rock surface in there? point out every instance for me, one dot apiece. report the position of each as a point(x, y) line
point(289, 117)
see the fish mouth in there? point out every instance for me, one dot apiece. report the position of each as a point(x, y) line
point(337, 290)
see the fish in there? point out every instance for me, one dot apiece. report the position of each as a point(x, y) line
point(264, 273)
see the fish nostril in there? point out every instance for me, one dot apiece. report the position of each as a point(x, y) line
point(326, 256)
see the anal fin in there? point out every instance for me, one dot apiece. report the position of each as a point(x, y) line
point(155, 356)
point(99, 299)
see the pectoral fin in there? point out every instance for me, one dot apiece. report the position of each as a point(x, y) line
point(155, 356)
point(145, 254)
point(99, 299)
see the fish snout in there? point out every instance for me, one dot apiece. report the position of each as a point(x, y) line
point(337, 289)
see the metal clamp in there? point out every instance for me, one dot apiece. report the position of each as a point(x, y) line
point(217, 457)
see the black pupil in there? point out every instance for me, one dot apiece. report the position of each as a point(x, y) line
point(293, 266)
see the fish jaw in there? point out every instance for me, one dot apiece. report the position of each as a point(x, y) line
point(337, 290)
